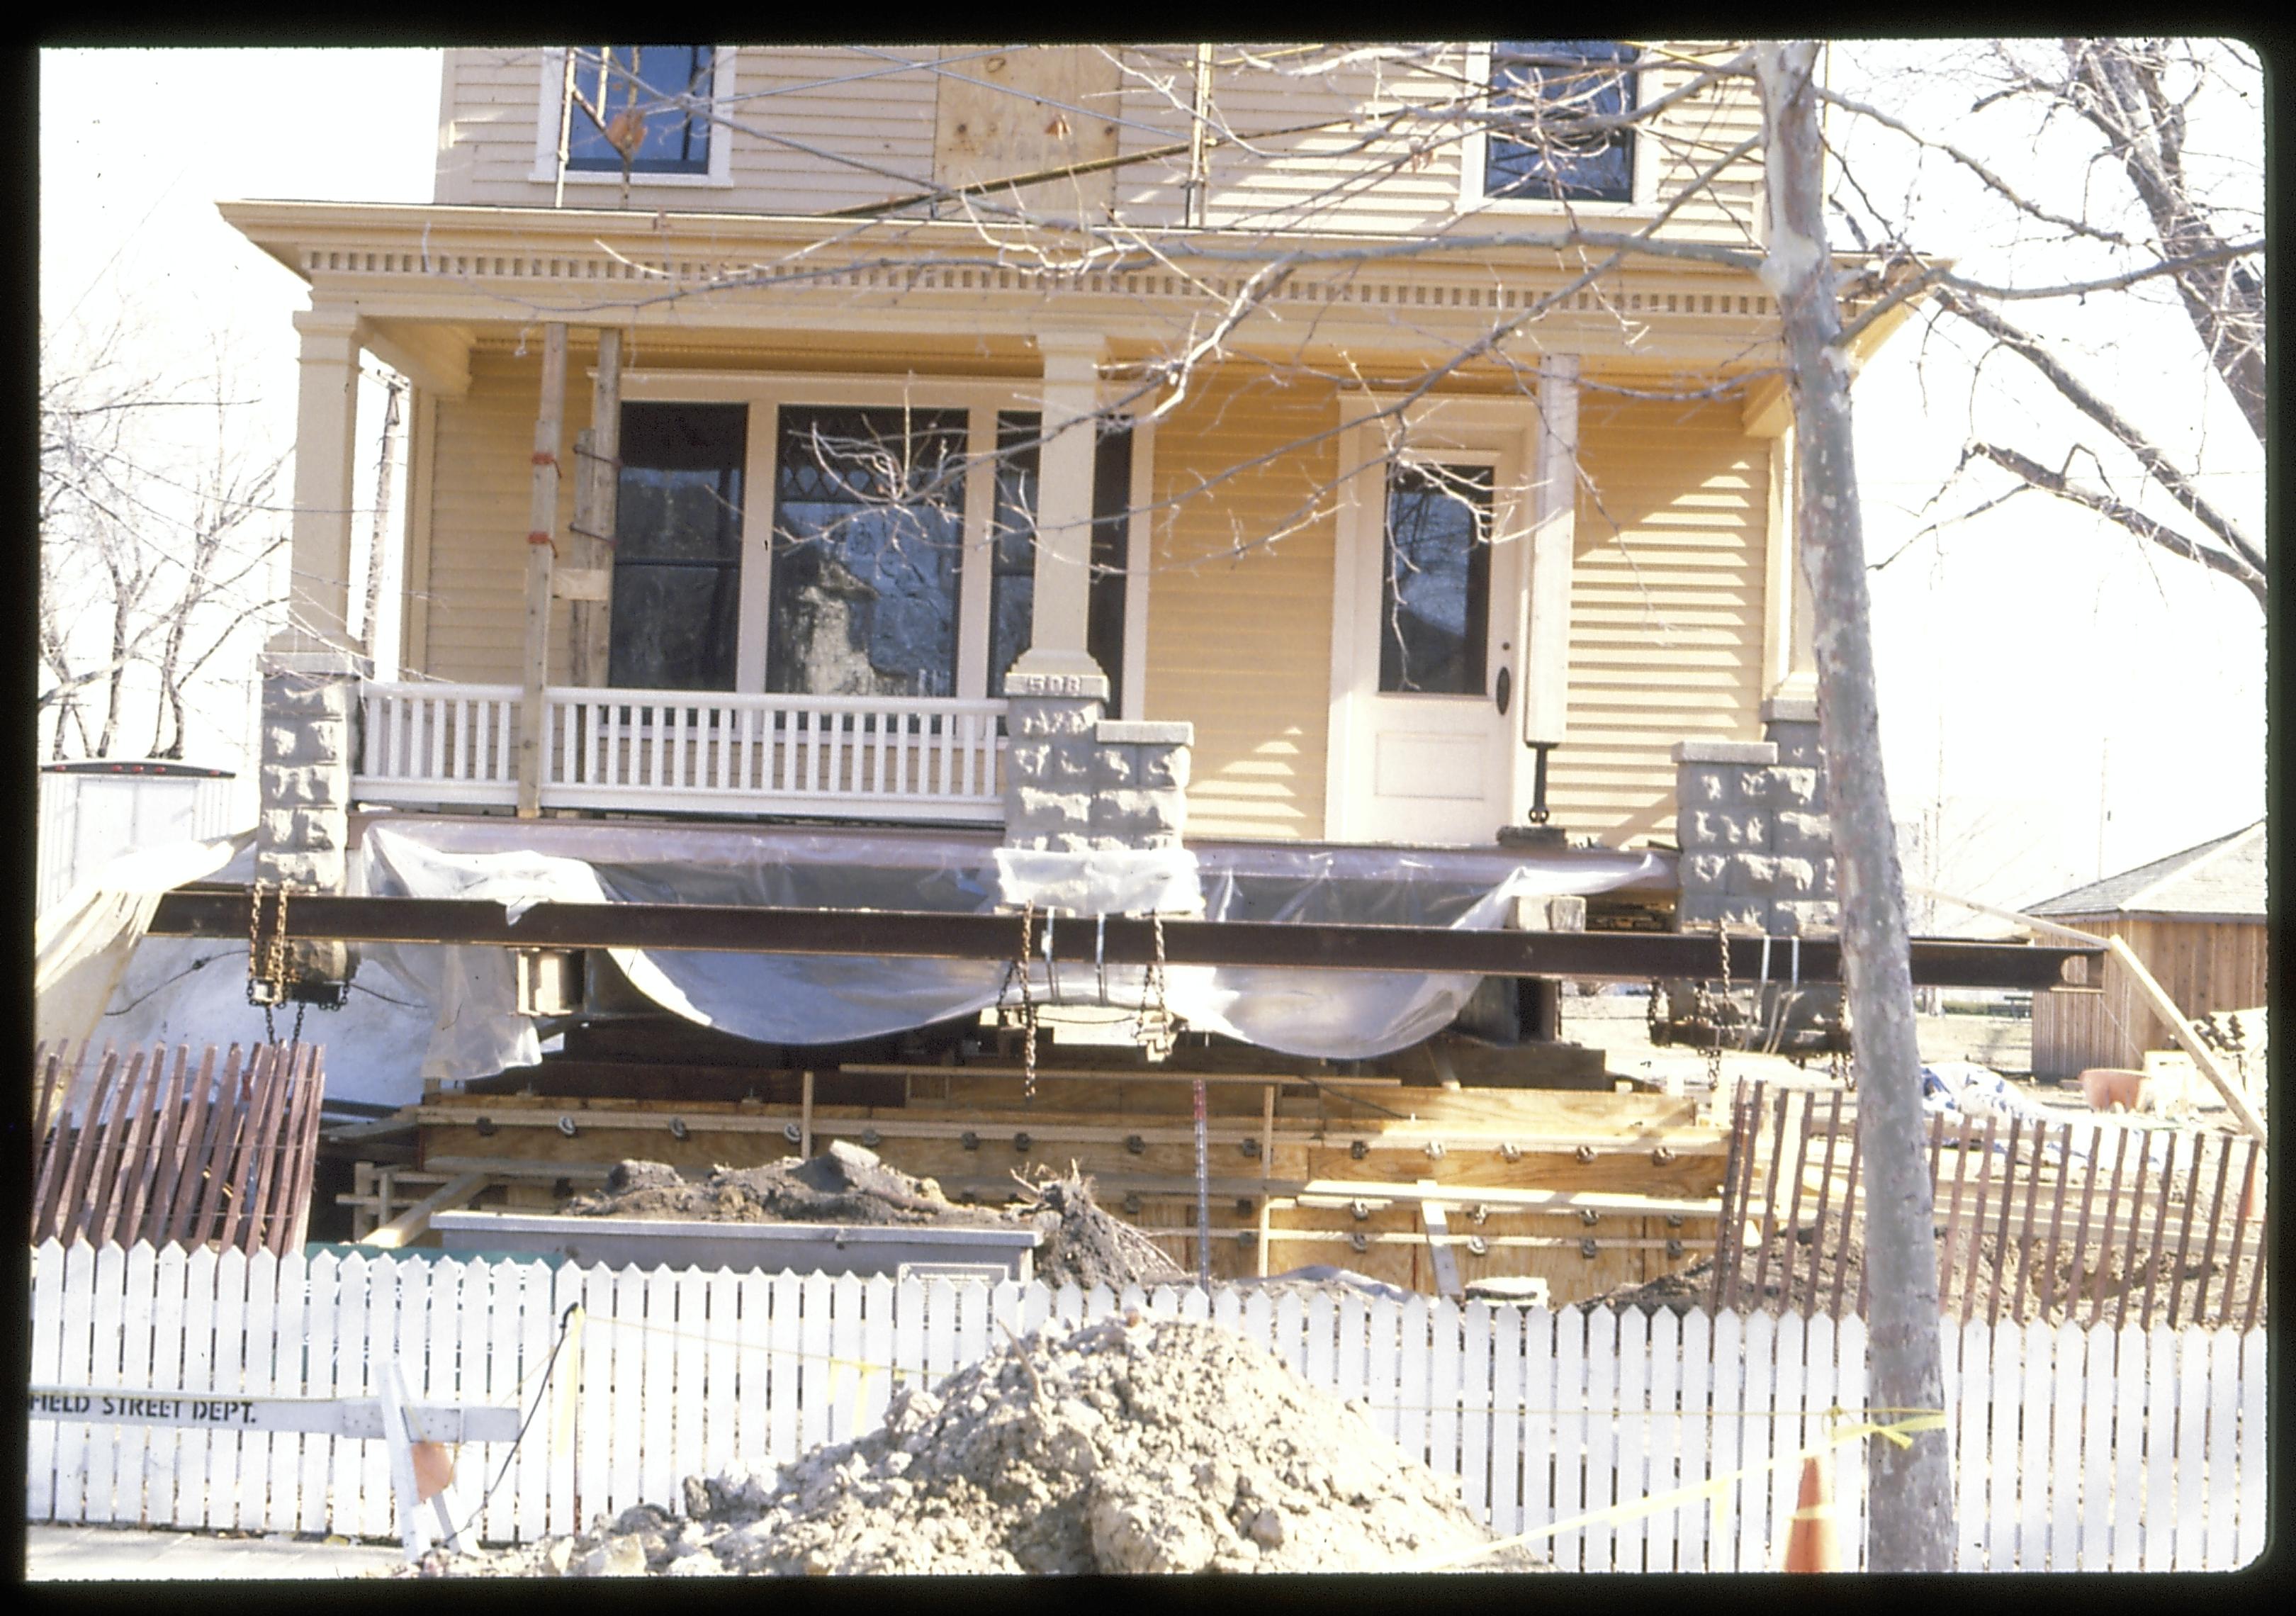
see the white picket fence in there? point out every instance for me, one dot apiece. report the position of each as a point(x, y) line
point(933, 758)
point(2075, 1448)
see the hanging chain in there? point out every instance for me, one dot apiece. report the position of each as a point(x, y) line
point(267, 960)
point(1027, 1010)
point(1155, 1024)
point(1714, 1049)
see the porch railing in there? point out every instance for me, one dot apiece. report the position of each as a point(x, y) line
point(858, 757)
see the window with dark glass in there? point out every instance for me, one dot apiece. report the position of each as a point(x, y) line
point(677, 547)
point(1543, 92)
point(658, 95)
point(1012, 552)
point(1435, 595)
point(868, 526)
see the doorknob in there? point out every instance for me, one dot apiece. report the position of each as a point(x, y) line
point(1504, 687)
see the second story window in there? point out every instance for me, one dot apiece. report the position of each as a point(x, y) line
point(649, 103)
point(1544, 145)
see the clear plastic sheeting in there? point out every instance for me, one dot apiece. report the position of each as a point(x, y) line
point(825, 999)
point(1116, 880)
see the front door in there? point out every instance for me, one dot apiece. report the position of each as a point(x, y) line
point(1426, 683)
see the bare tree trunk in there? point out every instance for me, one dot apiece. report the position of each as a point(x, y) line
point(116, 683)
point(1911, 1487)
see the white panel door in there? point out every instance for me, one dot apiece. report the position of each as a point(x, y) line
point(1427, 674)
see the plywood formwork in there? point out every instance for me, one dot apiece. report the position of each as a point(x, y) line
point(1301, 1169)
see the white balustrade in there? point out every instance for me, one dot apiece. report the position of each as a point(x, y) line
point(852, 756)
point(442, 744)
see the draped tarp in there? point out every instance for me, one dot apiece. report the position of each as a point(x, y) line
point(825, 999)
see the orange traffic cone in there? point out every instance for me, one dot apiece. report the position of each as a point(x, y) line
point(1814, 1540)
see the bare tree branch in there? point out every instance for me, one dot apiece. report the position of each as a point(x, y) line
point(2143, 527)
point(2125, 432)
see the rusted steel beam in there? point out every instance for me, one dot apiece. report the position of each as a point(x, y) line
point(1591, 956)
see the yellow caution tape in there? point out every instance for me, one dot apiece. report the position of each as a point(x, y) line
point(1900, 1431)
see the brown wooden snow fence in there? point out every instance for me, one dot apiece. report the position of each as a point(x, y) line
point(2077, 1220)
point(157, 1146)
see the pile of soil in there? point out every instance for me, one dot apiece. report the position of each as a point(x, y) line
point(844, 1183)
point(1127, 1445)
point(1083, 1245)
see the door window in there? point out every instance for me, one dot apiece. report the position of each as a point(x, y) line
point(1435, 592)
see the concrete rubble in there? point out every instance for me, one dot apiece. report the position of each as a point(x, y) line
point(1131, 1444)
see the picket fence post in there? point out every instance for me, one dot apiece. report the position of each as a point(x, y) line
point(2075, 1447)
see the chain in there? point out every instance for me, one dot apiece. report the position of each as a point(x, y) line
point(1028, 1011)
point(1714, 1050)
point(1155, 1024)
point(267, 960)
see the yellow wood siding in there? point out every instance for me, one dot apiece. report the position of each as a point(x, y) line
point(820, 129)
point(869, 140)
point(480, 484)
point(1666, 606)
point(1239, 644)
point(1406, 180)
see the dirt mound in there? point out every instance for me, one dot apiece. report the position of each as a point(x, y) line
point(1083, 1245)
point(1126, 1445)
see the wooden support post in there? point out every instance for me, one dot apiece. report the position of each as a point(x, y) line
point(409, 1224)
point(541, 540)
point(1438, 1245)
point(2147, 987)
point(590, 547)
point(2181, 1030)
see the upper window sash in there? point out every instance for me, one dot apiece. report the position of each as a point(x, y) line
point(659, 96)
point(680, 102)
point(1551, 87)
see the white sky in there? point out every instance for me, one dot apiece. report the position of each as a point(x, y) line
point(2020, 645)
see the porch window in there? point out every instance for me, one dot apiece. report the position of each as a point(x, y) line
point(1012, 590)
point(1542, 93)
point(662, 90)
point(1435, 592)
point(868, 526)
point(677, 555)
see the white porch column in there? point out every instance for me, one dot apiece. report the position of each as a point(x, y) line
point(1553, 537)
point(1064, 469)
point(1788, 629)
point(326, 424)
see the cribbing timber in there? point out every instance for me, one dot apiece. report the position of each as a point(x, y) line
point(1582, 956)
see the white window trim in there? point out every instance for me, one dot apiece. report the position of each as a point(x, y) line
point(765, 391)
point(552, 84)
point(1474, 148)
point(1500, 431)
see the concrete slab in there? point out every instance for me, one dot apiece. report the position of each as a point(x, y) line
point(113, 1554)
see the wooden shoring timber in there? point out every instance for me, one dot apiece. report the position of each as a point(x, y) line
point(163, 1153)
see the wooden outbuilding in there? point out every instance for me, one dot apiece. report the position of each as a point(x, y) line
point(2198, 921)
